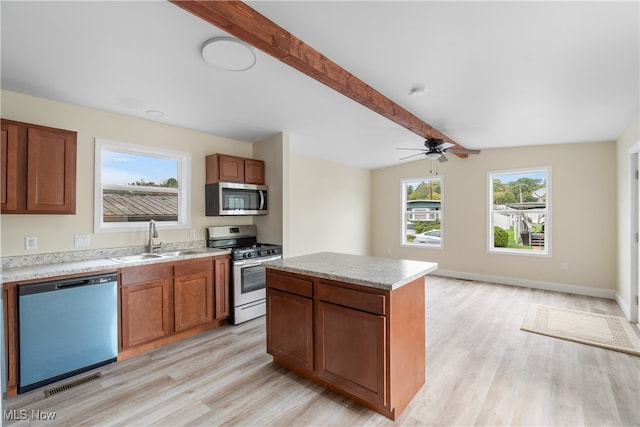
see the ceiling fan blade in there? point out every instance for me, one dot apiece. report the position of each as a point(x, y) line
point(445, 145)
point(462, 151)
point(442, 158)
point(413, 155)
point(415, 149)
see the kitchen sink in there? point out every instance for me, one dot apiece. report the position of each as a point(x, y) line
point(134, 258)
point(158, 255)
point(179, 253)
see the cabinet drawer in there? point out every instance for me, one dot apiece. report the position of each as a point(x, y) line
point(365, 301)
point(182, 268)
point(294, 285)
point(147, 273)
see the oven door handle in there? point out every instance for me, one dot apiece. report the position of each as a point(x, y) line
point(255, 262)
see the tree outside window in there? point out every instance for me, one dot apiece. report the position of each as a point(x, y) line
point(519, 211)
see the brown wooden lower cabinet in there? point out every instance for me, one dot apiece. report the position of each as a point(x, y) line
point(364, 342)
point(192, 294)
point(162, 303)
point(221, 266)
point(146, 312)
point(290, 328)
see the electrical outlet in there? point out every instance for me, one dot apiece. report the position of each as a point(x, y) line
point(565, 265)
point(30, 243)
point(192, 234)
point(82, 240)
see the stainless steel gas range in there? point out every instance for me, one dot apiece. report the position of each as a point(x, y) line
point(248, 281)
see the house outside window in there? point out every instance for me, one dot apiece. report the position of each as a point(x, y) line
point(520, 211)
point(422, 212)
point(134, 184)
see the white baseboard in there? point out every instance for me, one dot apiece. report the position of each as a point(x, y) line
point(534, 284)
point(623, 306)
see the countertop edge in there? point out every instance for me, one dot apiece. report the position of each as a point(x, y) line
point(46, 271)
point(368, 283)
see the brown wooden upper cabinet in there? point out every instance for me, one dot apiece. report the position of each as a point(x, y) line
point(225, 168)
point(38, 169)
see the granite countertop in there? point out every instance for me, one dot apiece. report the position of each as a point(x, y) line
point(67, 266)
point(376, 272)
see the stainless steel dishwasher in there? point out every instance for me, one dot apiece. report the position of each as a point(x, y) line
point(66, 327)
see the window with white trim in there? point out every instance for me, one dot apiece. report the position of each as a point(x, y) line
point(520, 211)
point(422, 211)
point(136, 183)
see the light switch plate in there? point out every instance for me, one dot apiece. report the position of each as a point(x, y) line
point(82, 240)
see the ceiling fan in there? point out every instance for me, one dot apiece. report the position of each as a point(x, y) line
point(436, 148)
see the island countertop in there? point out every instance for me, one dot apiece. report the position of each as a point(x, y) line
point(377, 272)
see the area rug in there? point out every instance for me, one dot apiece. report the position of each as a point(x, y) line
point(610, 332)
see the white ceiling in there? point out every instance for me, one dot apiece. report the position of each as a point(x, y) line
point(495, 74)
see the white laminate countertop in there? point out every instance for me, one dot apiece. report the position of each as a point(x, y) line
point(376, 272)
point(49, 270)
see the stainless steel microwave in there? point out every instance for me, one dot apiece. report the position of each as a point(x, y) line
point(231, 198)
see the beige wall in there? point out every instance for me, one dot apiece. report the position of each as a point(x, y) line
point(627, 284)
point(275, 152)
point(328, 207)
point(55, 233)
point(583, 217)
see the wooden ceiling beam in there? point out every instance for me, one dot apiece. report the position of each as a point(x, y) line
point(245, 23)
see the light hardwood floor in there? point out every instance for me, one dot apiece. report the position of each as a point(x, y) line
point(481, 370)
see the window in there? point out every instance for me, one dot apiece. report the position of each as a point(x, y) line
point(519, 211)
point(134, 184)
point(422, 212)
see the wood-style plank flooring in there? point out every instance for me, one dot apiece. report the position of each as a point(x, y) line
point(481, 370)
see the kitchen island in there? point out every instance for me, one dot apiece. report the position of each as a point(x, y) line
point(355, 324)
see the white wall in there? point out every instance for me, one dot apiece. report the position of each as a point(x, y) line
point(583, 217)
point(328, 207)
point(55, 232)
point(625, 294)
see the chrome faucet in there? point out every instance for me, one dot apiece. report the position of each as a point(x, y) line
point(153, 233)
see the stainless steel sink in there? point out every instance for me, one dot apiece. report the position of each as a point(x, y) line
point(134, 258)
point(179, 253)
point(158, 255)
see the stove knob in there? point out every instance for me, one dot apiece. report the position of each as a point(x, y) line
point(248, 255)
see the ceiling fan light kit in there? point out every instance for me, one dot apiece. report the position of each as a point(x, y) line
point(228, 53)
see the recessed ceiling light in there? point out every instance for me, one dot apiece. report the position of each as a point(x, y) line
point(416, 91)
point(228, 53)
point(155, 113)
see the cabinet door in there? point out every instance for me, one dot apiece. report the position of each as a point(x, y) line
point(222, 287)
point(254, 171)
point(351, 351)
point(146, 312)
point(230, 168)
point(51, 171)
point(290, 328)
point(10, 302)
point(9, 166)
point(193, 300)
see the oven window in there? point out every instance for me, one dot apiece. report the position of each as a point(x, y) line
point(253, 279)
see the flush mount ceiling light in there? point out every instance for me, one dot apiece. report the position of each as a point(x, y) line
point(154, 113)
point(228, 53)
